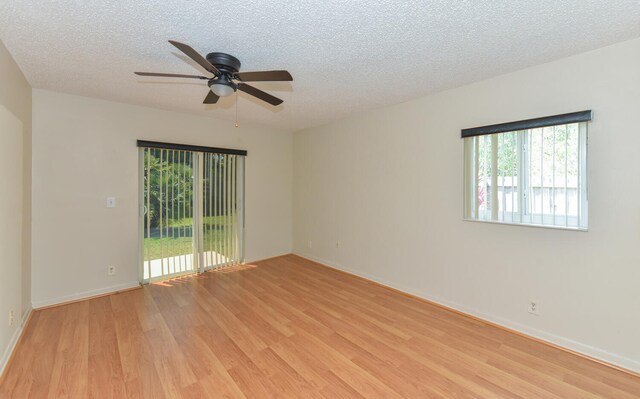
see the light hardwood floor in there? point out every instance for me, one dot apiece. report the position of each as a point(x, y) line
point(287, 328)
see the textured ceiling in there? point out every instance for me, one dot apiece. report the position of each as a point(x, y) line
point(345, 56)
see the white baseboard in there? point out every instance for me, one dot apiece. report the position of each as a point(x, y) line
point(83, 295)
point(588, 350)
point(13, 342)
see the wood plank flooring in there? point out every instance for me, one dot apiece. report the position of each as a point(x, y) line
point(287, 328)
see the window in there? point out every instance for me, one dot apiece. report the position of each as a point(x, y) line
point(531, 172)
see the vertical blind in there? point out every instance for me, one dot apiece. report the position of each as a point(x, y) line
point(192, 211)
point(222, 215)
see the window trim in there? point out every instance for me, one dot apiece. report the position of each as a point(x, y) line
point(189, 147)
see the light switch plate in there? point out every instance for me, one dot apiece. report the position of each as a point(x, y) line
point(111, 202)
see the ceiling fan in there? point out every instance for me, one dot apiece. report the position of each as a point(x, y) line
point(227, 77)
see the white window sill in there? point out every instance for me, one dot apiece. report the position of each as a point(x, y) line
point(581, 229)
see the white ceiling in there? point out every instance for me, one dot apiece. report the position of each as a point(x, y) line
point(345, 56)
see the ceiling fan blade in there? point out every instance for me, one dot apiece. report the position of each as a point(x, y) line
point(264, 76)
point(211, 98)
point(169, 75)
point(259, 94)
point(194, 55)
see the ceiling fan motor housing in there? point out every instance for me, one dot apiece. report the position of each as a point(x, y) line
point(224, 62)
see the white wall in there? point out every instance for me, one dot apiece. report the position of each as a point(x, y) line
point(84, 150)
point(387, 186)
point(10, 229)
point(15, 194)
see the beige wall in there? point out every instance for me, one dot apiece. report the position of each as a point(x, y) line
point(15, 200)
point(84, 150)
point(380, 194)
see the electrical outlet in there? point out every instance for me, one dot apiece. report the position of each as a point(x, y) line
point(111, 270)
point(11, 318)
point(309, 244)
point(533, 307)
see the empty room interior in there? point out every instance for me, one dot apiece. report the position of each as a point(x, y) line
point(299, 199)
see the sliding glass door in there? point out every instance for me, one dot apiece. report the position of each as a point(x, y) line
point(191, 213)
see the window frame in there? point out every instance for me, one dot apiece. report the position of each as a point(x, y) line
point(525, 214)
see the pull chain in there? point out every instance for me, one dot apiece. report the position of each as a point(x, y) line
point(236, 123)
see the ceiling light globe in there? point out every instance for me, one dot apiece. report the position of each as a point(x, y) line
point(222, 89)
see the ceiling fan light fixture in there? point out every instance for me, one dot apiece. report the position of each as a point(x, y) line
point(226, 69)
point(222, 87)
